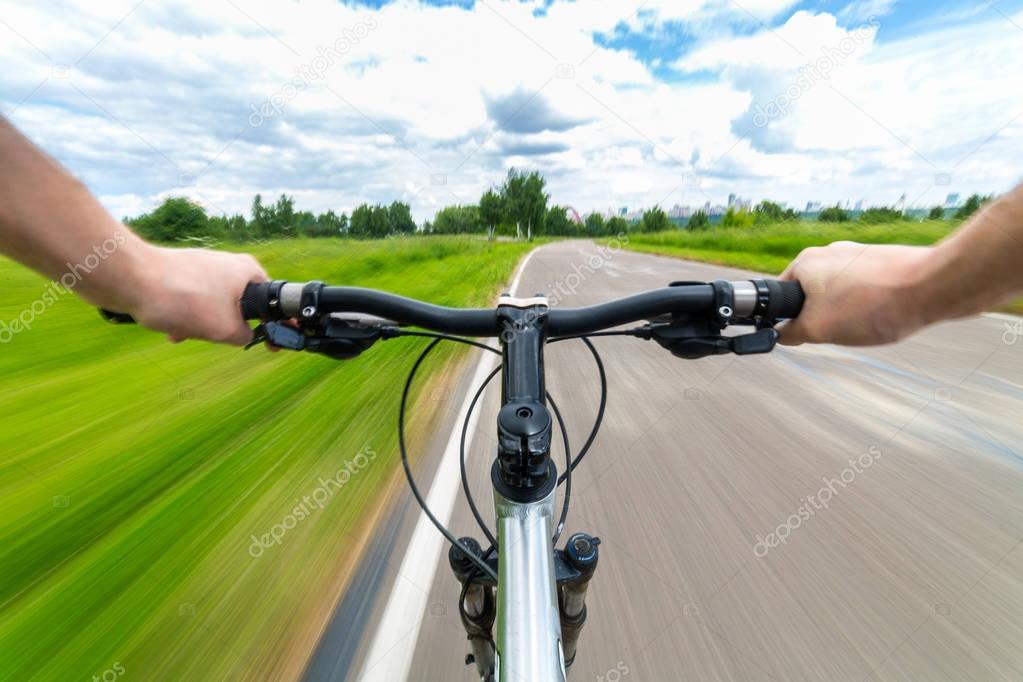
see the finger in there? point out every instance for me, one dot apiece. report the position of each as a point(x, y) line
point(791, 272)
point(241, 336)
point(790, 333)
point(258, 274)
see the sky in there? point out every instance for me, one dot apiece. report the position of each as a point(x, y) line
point(628, 103)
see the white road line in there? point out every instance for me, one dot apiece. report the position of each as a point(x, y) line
point(394, 644)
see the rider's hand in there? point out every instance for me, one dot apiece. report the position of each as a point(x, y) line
point(857, 294)
point(194, 293)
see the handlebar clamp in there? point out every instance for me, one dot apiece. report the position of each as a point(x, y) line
point(309, 303)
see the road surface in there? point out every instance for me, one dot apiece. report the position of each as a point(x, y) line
point(816, 514)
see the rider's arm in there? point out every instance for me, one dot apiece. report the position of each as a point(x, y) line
point(865, 295)
point(50, 222)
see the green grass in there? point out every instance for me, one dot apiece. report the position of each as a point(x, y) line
point(133, 472)
point(771, 248)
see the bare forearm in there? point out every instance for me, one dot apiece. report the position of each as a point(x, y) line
point(979, 266)
point(50, 222)
point(863, 295)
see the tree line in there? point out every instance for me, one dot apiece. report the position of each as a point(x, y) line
point(519, 207)
point(179, 219)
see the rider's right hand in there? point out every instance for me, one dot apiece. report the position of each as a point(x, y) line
point(192, 293)
point(858, 294)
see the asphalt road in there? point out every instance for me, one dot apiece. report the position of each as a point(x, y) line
point(904, 564)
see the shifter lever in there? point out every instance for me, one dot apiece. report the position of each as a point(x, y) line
point(760, 341)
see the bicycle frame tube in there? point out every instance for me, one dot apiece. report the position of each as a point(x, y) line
point(528, 625)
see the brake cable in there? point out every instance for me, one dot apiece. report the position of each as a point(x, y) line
point(408, 470)
point(571, 463)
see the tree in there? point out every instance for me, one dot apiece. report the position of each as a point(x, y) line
point(767, 212)
point(525, 200)
point(330, 224)
point(971, 206)
point(280, 218)
point(616, 225)
point(594, 225)
point(274, 221)
point(492, 211)
point(457, 220)
point(370, 222)
point(556, 222)
point(937, 213)
point(655, 220)
point(176, 219)
point(882, 214)
point(324, 225)
point(400, 220)
point(698, 221)
point(259, 217)
point(834, 214)
point(535, 203)
point(740, 218)
point(514, 194)
point(233, 228)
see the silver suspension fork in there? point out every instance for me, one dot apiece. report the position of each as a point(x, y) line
point(528, 624)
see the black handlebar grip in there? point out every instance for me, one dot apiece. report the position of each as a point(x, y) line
point(256, 301)
point(785, 300)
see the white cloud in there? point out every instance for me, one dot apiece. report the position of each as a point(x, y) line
point(432, 104)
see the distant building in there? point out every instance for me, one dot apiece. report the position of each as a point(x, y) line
point(813, 207)
point(739, 203)
point(859, 205)
point(952, 200)
point(678, 211)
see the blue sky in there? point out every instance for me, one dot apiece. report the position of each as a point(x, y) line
point(618, 103)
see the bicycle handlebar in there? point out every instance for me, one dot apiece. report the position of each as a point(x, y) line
point(279, 300)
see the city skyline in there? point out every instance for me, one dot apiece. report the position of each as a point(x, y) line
point(952, 200)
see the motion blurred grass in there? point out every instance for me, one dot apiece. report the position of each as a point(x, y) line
point(770, 248)
point(133, 472)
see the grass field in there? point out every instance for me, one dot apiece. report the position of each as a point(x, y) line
point(771, 248)
point(134, 474)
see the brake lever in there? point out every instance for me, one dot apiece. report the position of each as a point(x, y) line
point(278, 334)
point(334, 338)
point(695, 340)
